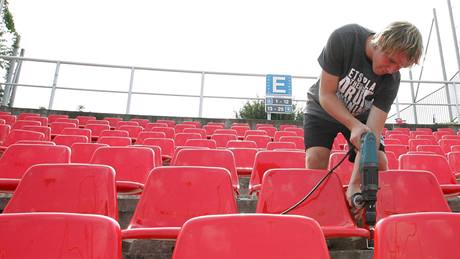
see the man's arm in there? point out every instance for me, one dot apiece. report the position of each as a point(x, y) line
point(332, 105)
point(376, 122)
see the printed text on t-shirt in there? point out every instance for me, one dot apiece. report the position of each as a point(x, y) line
point(356, 92)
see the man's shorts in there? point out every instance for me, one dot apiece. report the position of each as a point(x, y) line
point(319, 132)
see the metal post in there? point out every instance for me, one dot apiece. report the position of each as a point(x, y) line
point(9, 80)
point(443, 66)
point(2, 2)
point(454, 34)
point(397, 107)
point(16, 78)
point(414, 102)
point(130, 92)
point(53, 90)
point(200, 109)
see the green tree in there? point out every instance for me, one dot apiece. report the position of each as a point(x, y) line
point(9, 41)
point(255, 109)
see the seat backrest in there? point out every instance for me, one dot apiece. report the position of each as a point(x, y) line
point(445, 144)
point(130, 163)
point(57, 127)
point(115, 141)
point(4, 132)
point(251, 236)
point(241, 144)
point(96, 129)
point(113, 121)
point(208, 157)
point(200, 131)
point(209, 143)
point(298, 141)
point(418, 235)
point(196, 190)
point(282, 188)
point(73, 188)
point(59, 235)
point(77, 131)
point(141, 122)
point(82, 152)
point(19, 157)
point(114, 133)
point(149, 134)
point(261, 140)
point(133, 130)
point(83, 119)
point(23, 115)
point(454, 161)
point(19, 124)
point(181, 127)
point(69, 140)
point(166, 144)
point(435, 149)
point(404, 138)
point(43, 120)
point(181, 138)
point(9, 119)
point(397, 149)
point(240, 129)
point(280, 134)
point(244, 159)
point(280, 145)
point(16, 135)
point(434, 163)
point(43, 129)
point(54, 117)
point(298, 131)
point(269, 129)
point(266, 160)
point(413, 143)
point(223, 139)
point(169, 131)
point(344, 170)
point(420, 190)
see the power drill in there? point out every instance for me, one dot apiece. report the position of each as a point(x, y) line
point(368, 168)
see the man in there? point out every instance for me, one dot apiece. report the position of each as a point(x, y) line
point(358, 83)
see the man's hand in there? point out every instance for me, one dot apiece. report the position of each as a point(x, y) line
point(356, 133)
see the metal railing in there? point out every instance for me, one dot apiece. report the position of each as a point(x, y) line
point(255, 93)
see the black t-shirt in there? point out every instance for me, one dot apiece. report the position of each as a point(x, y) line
point(359, 88)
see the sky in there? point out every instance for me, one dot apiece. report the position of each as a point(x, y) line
point(262, 37)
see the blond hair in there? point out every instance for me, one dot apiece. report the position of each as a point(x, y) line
point(400, 37)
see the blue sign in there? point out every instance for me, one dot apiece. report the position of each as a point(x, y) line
point(279, 85)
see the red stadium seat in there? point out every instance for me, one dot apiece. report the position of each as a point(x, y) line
point(344, 170)
point(244, 159)
point(420, 190)
point(280, 145)
point(208, 157)
point(83, 152)
point(282, 188)
point(266, 160)
point(19, 157)
point(261, 140)
point(209, 143)
point(131, 164)
point(83, 119)
point(436, 164)
point(69, 188)
point(223, 139)
point(196, 191)
point(418, 235)
point(251, 236)
point(59, 235)
point(69, 140)
point(115, 141)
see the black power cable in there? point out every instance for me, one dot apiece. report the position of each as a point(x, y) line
point(318, 184)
